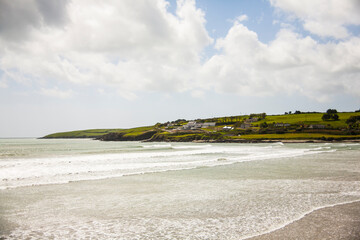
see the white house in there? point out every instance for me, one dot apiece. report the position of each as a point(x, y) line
point(227, 128)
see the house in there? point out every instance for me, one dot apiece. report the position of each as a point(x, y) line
point(189, 125)
point(227, 128)
point(192, 125)
point(282, 125)
point(208, 124)
point(251, 120)
point(245, 125)
point(196, 126)
point(317, 126)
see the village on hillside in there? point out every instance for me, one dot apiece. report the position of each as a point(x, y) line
point(232, 123)
point(298, 125)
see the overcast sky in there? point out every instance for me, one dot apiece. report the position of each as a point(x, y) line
point(80, 64)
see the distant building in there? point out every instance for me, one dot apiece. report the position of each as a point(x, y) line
point(245, 125)
point(227, 128)
point(251, 120)
point(208, 124)
point(192, 125)
point(189, 125)
point(196, 126)
point(317, 126)
point(282, 125)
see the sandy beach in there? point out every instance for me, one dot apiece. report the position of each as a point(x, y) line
point(341, 222)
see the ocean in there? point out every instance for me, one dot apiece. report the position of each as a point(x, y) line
point(88, 189)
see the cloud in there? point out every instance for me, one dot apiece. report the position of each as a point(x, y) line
point(134, 47)
point(56, 93)
point(18, 18)
point(242, 18)
point(290, 64)
point(130, 46)
point(325, 18)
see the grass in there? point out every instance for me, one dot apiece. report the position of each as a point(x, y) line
point(309, 118)
point(93, 133)
point(136, 131)
point(300, 136)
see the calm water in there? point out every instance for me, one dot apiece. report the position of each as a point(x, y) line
point(86, 189)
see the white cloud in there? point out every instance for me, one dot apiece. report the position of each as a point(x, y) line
point(56, 93)
point(128, 45)
point(289, 64)
point(326, 18)
point(133, 47)
point(242, 18)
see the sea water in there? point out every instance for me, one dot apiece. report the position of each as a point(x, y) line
point(87, 189)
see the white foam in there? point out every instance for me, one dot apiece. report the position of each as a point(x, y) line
point(191, 146)
point(62, 169)
point(273, 229)
point(157, 146)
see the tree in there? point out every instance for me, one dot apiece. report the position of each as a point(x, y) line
point(331, 114)
point(264, 125)
point(331, 111)
point(353, 122)
point(353, 119)
point(325, 117)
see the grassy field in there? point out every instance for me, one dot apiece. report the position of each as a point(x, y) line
point(93, 133)
point(295, 136)
point(309, 118)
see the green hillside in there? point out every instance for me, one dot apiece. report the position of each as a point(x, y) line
point(95, 133)
point(311, 118)
point(299, 126)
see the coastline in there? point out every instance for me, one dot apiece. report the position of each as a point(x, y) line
point(261, 141)
point(339, 222)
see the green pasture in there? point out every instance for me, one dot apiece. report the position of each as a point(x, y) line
point(295, 136)
point(90, 133)
point(93, 133)
point(309, 118)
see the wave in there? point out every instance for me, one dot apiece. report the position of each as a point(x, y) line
point(62, 169)
point(157, 146)
point(192, 146)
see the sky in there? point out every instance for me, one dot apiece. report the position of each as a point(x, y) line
point(87, 64)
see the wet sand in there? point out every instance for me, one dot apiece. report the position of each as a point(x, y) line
point(341, 222)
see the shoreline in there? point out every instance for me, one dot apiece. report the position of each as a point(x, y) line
point(335, 222)
point(224, 140)
point(262, 141)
